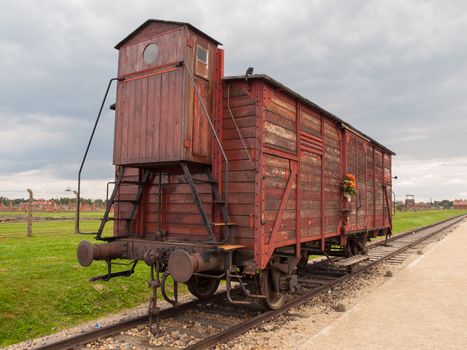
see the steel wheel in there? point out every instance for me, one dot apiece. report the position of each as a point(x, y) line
point(274, 300)
point(202, 287)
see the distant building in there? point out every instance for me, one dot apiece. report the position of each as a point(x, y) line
point(459, 204)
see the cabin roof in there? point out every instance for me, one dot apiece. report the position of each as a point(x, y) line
point(311, 104)
point(167, 22)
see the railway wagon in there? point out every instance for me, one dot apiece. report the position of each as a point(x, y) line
point(230, 178)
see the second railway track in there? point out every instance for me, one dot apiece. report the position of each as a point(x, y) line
point(203, 324)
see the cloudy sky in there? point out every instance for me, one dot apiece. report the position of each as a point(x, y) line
point(397, 70)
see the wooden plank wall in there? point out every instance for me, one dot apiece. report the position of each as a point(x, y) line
point(281, 135)
point(158, 115)
point(368, 207)
point(332, 176)
point(370, 193)
point(310, 196)
point(170, 45)
point(180, 217)
point(387, 169)
point(379, 199)
point(149, 119)
point(241, 189)
point(310, 174)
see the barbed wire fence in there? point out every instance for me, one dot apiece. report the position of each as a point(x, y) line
point(24, 201)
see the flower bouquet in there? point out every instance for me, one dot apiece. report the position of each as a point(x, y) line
point(349, 186)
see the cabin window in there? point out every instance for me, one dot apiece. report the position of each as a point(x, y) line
point(202, 55)
point(150, 53)
point(201, 63)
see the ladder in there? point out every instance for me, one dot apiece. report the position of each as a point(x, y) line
point(119, 181)
point(218, 201)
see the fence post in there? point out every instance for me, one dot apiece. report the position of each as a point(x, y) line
point(30, 213)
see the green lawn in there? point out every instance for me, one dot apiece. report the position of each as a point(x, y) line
point(62, 214)
point(404, 221)
point(43, 289)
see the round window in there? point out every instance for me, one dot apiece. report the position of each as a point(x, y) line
point(150, 53)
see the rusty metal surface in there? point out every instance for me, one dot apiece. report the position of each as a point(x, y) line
point(181, 265)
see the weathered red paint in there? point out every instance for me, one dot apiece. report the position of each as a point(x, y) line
point(292, 195)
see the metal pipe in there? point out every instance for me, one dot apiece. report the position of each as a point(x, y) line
point(88, 252)
point(182, 265)
point(159, 207)
point(86, 153)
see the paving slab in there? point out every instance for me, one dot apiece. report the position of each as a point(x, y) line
point(424, 306)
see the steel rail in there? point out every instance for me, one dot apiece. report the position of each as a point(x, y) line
point(268, 315)
point(113, 329)
point(107, 331)
point(409, 232)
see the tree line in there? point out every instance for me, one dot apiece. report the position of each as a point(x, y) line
point(59, 201)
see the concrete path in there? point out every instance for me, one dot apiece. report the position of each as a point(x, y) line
point(424, 306)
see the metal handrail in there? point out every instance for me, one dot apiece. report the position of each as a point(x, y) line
point(78, 198)
point(236, 127)
point(226, 175)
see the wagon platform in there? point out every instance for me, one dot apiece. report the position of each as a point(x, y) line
point(424, 306)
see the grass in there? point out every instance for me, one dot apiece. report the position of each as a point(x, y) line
point(62, 214)
point(405, 221)
point(45, 290)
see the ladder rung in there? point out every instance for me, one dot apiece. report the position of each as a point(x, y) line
point(117, 219)
point(223, 224)
point(220, 202)
point(125, 201)
point(131, 183)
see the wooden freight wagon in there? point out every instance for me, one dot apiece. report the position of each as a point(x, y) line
point(236, 178)
point(301, 154)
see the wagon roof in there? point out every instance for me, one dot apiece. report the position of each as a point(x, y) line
point(306, 101)
point(167, 22)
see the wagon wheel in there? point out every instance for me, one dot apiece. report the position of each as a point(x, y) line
point(202, 287)
point(274, 299)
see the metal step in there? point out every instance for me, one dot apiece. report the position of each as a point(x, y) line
point(223, 224)
point(125, 201)
point(118, 219)
point(132, 183)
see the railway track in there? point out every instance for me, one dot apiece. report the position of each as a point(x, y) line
point(203, 324)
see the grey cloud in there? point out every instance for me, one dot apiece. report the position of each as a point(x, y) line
point(394, 69)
